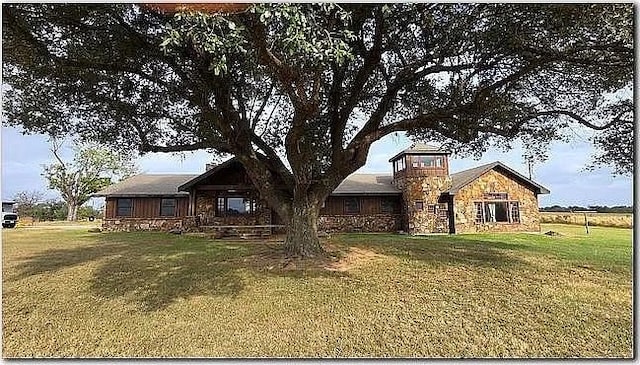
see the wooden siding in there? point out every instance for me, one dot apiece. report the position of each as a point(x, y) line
point(335, 205)
point(147, 207)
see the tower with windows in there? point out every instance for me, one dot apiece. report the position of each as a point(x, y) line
point(421, 172)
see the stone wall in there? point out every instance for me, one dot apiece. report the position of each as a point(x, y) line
point(141, 224)
point(261, 217)
point(427, 189)
point(360, 223)
point(493, 181)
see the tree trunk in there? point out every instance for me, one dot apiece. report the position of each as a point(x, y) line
point(302, 229)
point(72, 214)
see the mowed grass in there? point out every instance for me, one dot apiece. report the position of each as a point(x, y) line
point(69, 293)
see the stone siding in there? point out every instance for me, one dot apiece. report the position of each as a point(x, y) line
point(494, 181)
point(360, 223)
point(141, 224)
point(427, 189)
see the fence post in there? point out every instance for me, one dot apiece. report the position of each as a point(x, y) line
point(586, 222)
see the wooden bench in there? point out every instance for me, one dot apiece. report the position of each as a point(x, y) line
point(254, 231)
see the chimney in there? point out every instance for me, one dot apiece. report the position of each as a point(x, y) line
point(209, 166)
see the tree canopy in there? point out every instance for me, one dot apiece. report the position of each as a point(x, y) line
point(92, 169)
point(299, 92)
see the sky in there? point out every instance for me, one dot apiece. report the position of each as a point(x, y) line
point(563, 173)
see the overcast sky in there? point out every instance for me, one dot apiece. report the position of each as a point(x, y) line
point(563, 173)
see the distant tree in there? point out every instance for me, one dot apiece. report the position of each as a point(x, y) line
point(93, 168)
point(317, 84)
point(597, 208)
point(87, 211)
point(50, 210)
point(26, 201)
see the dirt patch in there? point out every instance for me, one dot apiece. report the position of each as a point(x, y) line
point(354, 257)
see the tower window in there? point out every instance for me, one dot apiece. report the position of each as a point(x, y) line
point(399, 164)
point(419, 205)
point(427, 161)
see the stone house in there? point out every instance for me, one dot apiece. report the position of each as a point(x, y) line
point(420, 197)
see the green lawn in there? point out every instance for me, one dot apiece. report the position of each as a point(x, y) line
point(73, 293)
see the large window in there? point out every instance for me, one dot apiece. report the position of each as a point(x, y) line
point(352, 205)
point(427, 161)
point(124, 207)
point(236, 206)
point(168, 207)
point(497, 212)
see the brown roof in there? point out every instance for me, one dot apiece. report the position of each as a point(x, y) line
point(420, 149)
point(355, 184)
point(462, 178)
point(366, 184)
point(148, 185)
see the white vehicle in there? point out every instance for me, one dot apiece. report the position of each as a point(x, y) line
point(9, 219)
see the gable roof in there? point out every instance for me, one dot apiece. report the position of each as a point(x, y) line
point(187, 185)
point(366, 184)
point(420, 149)
point(462, 178)
point(147, 185)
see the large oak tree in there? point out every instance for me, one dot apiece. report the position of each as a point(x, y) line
point(299, 92)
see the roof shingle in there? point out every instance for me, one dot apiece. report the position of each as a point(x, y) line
point(148, 185)
point(363, 184)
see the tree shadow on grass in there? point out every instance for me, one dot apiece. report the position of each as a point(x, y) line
point(153, 270)
point(440, 250)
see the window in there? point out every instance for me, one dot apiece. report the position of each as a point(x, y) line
point(496, 211)
point(479, 213)
point(387, 206)
point(515, 212)
point(124, 207)
point(221, 205)
point(442, 211)
point(167, 207)
point(351, 205)
point(493, 211)
point(431, 208)
point(398, 165)
point(419, 205)
point(427, 161)
point(236, 206)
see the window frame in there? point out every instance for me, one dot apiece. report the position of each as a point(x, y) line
point(483, 204)
point(388, 206)
point(442, 208)
point(346, 205)
point(222, 205)
point(119, 206)
point(174, 207)
point(427, 162)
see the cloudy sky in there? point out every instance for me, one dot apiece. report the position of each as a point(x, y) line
point(563, 173)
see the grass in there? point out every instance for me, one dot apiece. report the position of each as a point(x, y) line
point(618, 220)
point(69, 293)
